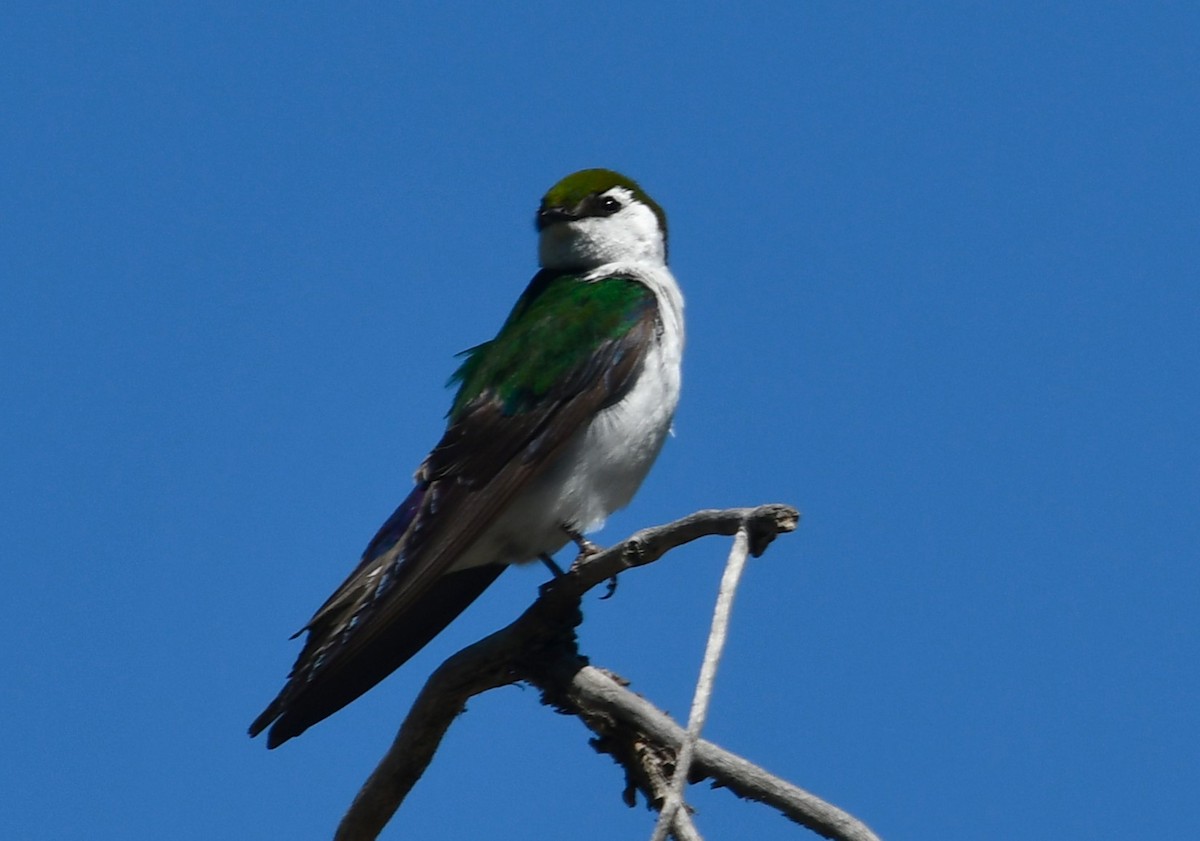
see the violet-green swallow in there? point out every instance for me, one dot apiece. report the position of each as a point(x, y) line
point(555, 424)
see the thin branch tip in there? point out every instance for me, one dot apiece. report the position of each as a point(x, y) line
point(766, 522)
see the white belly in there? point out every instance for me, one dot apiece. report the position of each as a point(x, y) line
point(601, 469)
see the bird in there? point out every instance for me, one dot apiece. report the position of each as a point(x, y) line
point(555, 423)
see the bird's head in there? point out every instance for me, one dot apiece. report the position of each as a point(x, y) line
point(597, 216)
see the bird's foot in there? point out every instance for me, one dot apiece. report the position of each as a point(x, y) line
point(609, 588)
point(551, 565)
point(586, 548)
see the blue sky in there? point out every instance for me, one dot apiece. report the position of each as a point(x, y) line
point(941, 272)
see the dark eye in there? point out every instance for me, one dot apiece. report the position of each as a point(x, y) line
point(609, 205)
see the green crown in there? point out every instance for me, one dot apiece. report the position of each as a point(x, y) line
point(579, 185)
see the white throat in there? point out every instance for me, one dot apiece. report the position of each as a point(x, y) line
point(630, 235)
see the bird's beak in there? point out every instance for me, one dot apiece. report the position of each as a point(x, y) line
point(547, 216)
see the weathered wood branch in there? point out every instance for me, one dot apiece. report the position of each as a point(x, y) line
point(539, 647)
point(619, 717)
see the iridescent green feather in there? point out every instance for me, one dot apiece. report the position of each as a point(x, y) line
point(553, 330)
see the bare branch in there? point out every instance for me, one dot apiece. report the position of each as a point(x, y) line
point(613, 711)
point(539, 647)
point(704, 685)
point(443, 697)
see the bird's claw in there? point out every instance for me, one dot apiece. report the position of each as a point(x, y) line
point(586, 548)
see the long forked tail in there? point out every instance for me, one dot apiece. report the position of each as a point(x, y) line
point(351, 644)
point(299, 707)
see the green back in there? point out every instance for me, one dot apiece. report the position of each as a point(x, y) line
point(551, 335)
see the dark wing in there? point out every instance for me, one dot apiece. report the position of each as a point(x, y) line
point(509, 420)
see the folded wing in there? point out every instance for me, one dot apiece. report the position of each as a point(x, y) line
point(569, 349)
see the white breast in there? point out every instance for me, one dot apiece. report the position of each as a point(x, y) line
point(600, 470)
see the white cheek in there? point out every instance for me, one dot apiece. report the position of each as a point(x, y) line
point(637, 235)
point(630, 234)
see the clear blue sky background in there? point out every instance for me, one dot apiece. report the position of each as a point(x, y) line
point(941, 270)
